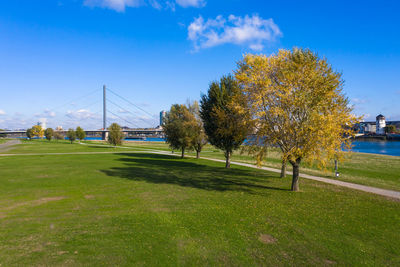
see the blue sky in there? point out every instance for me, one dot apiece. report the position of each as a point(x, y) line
point(56, 55)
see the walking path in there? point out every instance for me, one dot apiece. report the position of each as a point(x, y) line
point(369, 189)
point(8, 145)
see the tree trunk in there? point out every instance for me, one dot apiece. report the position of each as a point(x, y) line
point(197, 154)
point(228, 159)
point(283, 169)
point(295, 179)
point(183, 153)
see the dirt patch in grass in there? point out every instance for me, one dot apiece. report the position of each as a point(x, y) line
point(330, 262)
point(33, 203)
point(266, 239)
point(89, 196)
point(160, 209)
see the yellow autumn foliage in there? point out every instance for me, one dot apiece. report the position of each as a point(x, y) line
point(38, 131)
point(296, 102)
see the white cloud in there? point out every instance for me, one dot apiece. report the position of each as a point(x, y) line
point(252, 31)
point(121, 5)
point(117, 5)
point(80, 114)
point(2, 112)
point(359, 100)
point(191, 3)
point(122, 111)
point(46, 113)
point(49, 113)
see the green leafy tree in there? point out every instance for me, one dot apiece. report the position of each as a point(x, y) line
point(29, 133)
point(224, 124)
point(296, 102)
point(390, 129)
point(198, 134)
point(178, 128)
point(80, 133)
point(115, 135)
point(49, 133)
point(58, 136)
point(71, 135)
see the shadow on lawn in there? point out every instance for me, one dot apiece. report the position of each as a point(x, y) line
point(164, 169)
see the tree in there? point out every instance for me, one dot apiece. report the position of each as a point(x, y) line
point(80, 133)
point(58, 136)
point(115, 135)
point(198, 135)
point(390, 129)
point(224, 124)
point(49, 133)
point(178, 128)
point(29, 133)
point(297, 103)
point(38, 131)
point(71, 135)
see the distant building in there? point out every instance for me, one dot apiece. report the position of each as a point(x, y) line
point(380, 124)
point(163, 113)
point(377, 126)
point(42, 124)
point(59, 128)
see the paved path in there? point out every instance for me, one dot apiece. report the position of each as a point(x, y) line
point(369, 189)
point(8, 145)
point(77, 153)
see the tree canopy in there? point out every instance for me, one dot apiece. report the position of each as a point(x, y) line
point(178, 128)
point(29, 133)
point(198, 135)
point(115, 135)
point(224, 124)
point(80, 133)
point(38, 131)
point(71, 134)
point(296, 102)
point(49, 133)
point(390, 129)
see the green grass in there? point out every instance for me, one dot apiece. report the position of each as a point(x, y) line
point(368, 169)
point(62, 146)
point(145, 209)
point(3, 140)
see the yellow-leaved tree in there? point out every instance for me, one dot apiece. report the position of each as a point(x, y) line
point(296, 102)
point(38, 131)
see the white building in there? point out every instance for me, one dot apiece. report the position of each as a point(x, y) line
point(380, 124)
point(42, 124)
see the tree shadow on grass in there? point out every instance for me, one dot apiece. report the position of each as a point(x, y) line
point(164, 169)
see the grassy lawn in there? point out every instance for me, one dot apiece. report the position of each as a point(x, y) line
point(62, 146)
point(368, 169)
point(3, 140)
point(145, 209)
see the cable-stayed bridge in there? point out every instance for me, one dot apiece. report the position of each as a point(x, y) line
point(131, 128)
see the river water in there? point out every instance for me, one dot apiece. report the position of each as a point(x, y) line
point(377, 147)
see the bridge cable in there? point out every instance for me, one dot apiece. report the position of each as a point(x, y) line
point(123, 119)
point(129, 112)
point(123, 98)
